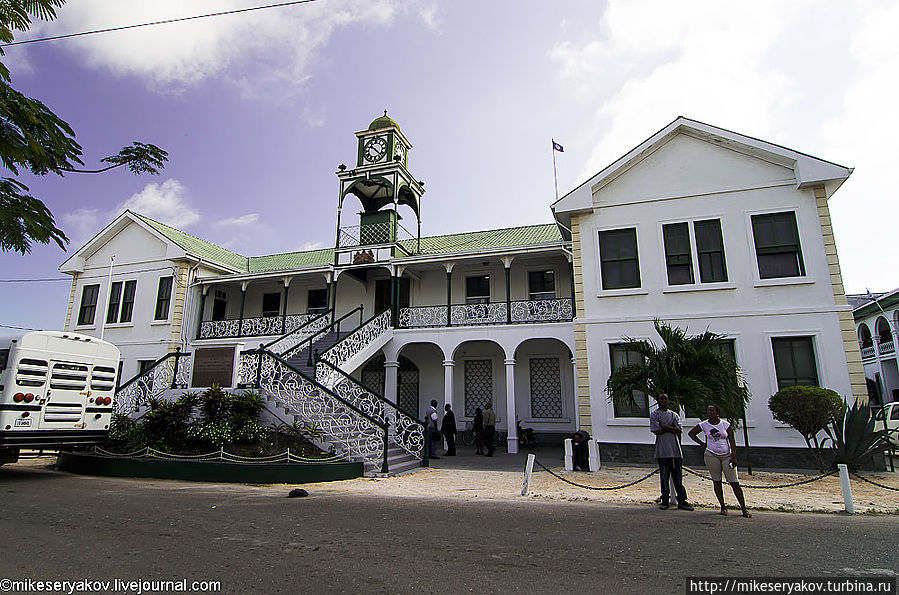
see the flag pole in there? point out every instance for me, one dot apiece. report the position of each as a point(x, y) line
point(555, 176)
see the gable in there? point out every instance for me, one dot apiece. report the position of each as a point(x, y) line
point(687, 166)
point(132, 243)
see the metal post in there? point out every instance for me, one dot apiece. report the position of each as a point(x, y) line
point(848, 504)
point(746, 442)
point(200, 315)
point(528, 469)
point(284, 309)
point(243, 299)
point(573, 299)
point(449, 297)
point(175, 370)
point(426, 447)
point(508, 296)
point(384, 468)
point(259, 369)
point(393, 293)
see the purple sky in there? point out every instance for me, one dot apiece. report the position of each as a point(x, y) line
point(258, 109)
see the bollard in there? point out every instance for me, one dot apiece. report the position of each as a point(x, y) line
point(595, 463)
point(848, 505)
point(528, 469)
point(569, 455)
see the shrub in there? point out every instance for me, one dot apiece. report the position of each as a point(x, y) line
point(166, 422)
point(214, 433)
point(808, 410)
point(215, 404)
point(125, 434)
point(246, 407)
point(853, 437)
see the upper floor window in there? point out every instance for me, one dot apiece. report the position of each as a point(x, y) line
point(541, 285)
point(777, 245)
point(163, 298)
point(864, 336)
point(271, 304)
point(121, 301)
point(794, 361)
point(219, 305)
point(619, 265)
point(678, 258)
point(316, 301)
point(710, 251)
point(477, 289)
point(88, 308)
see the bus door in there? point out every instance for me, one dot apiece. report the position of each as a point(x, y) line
point(67, 396)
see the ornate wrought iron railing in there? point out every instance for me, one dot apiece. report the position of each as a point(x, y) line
point(170, 371)
point(311, 339)
point(344, 349)
point(253, 327)
point(521, 312)
point(885, 347)
point(868, 352)
point(291, 339)
point(342, 422)
point(405, 430)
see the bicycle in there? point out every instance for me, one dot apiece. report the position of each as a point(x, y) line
point(468, 437)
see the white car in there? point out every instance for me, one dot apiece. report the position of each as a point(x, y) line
point(889, 413)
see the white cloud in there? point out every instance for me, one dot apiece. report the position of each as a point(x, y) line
point(166, 202)
point(81, 224)
point(311, 246)
point(174, 55)
point(241, 221)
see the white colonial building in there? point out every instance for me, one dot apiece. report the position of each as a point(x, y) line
point(877, 320)
point(699, 226)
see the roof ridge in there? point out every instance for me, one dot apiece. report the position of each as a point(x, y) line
point(293, 252)
point(462, 233)
point(198, 238)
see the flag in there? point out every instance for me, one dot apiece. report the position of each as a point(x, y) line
point(558, 147)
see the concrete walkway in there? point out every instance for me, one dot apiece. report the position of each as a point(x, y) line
point(551, 456)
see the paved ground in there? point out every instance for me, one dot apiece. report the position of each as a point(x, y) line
point(254, 539)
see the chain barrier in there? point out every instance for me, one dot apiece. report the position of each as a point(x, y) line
point(766, 487)
point(219, 455)
point(872, 482)
point(597, 488)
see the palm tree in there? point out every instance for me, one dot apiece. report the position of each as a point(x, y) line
point(692, 370)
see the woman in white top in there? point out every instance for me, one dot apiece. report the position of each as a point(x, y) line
point(720, 454)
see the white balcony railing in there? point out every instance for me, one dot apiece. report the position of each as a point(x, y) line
point(885, 347)
point(522, 312)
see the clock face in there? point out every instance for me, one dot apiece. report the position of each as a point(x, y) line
point(375, 149)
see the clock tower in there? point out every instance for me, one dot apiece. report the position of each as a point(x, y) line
point(382, 183)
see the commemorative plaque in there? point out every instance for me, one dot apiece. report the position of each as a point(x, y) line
point(213, 365)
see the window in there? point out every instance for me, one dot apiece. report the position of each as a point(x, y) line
point(710, 251)
point(618, 258)
point(88, 304)
point(128, 301)
point(477, 290)
point(219, 305)
point(678, 258)
point(119, 298)
point(4, 358)
point(794, 361)
point(317, 301)
point(622, 357)
point(271, 304)
point(541, 285)
point(777, 245)
point(163, 298)
point(115, 300)
point(144, 365)
point(546, 387)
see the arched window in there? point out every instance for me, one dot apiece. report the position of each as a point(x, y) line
point(864, 336)
point(883, 330)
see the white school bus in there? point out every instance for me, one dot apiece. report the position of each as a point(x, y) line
point(56, 390)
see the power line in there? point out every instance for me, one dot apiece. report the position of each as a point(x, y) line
point(33, 280)
point(165, 22)
point(20, 328)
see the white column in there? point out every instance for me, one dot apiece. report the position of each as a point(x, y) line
point(512, 436)
point(390, 372)
point(576, 404)
point(448, 366)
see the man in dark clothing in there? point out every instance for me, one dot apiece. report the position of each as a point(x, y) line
point(580, 450)
point(448, 429)
point(665, 424)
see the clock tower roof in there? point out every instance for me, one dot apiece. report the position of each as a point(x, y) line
point(382, 122)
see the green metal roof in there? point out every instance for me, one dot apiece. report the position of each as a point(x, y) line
point(512, 237)
point(196, 246)
point(291, 260)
